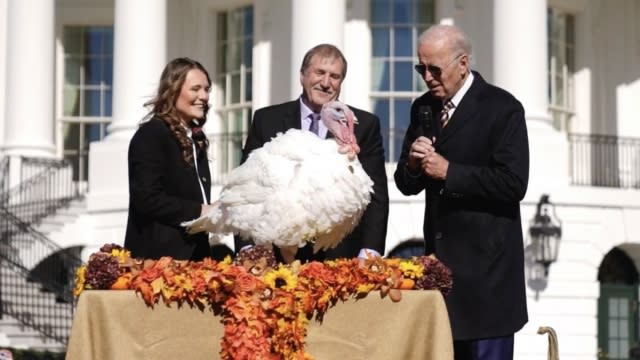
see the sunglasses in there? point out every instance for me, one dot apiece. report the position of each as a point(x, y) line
point(436, 71)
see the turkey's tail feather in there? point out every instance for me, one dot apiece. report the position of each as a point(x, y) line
point(209, 222)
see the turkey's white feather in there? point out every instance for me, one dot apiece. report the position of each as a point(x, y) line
point(296, 188)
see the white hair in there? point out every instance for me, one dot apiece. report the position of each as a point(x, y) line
point(453, 35)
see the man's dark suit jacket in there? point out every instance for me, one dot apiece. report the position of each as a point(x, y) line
point(472, 219)
point(163, 192)
point(372, 229)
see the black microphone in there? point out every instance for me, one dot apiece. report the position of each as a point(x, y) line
point(425, 118)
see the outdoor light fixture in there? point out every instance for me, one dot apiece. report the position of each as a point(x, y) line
point(545, 232)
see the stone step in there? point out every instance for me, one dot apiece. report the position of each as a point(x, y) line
point(21, 336)
point(26, 298)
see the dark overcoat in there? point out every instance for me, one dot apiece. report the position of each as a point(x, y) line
point(163, 192)
point(472, 219)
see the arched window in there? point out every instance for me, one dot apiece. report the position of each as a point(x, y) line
point(407, 249)
point(617, 305)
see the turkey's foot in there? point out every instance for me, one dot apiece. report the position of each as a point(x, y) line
point(288, 253)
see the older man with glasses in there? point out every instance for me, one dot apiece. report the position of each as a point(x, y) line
point(467, 148)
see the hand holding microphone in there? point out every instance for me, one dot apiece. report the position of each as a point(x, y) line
point(422, 155)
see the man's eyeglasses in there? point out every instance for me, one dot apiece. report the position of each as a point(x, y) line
point(436, 71)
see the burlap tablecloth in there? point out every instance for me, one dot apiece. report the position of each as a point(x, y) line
point(118, 325)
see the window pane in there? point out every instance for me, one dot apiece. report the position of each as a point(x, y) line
point(402, 114)
point(94, 41)
point(93, 133)
point(235, 126)
point(234, 25)
point(614, 352)
point(108, 41)
point(401, 123)
point(249, 86)
point(380, 11)
point(402, 41)
point(381, 47)
point(402, 11)
point(72, 37)
point(613, 328)
point(91, 103)
point(107, 68)
point(71, 135)
point(381, 108)
point(623, 306)
point(222, 26)
point(624, 347)
point(248, 22)
point(93, 71)
point(72, 71)
point(613, 307)
point(403, 75)
point(247, 56)
point(222, 58)
point(624, 329)
point(233, 57)
point(71, 102)
point(235, 88)
point(108, 103)
point(379, 75)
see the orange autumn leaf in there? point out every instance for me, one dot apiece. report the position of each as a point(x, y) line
point(407, 284)
point(157, 285)
point(123, 282)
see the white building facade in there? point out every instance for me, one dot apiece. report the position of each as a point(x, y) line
point(75, 73)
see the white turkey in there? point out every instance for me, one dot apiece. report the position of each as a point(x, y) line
point(297, 188)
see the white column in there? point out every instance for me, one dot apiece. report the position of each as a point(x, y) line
point(140, 54)
point(3, 60)
point(140, 37)
point(263, 60)
point(520, 67)
point(357, 50)
point(520, 55)
point(29, 79)
point(313, 23)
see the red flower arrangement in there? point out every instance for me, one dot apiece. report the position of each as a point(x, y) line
point(265, 307)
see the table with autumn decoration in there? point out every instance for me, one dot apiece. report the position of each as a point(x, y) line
point(254, 308)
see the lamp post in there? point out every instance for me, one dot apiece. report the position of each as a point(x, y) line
point(545, 232)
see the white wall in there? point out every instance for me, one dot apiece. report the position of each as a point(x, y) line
point(3, 67)
point(608, 48)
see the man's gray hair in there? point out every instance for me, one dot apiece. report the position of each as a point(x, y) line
point(456, 38)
